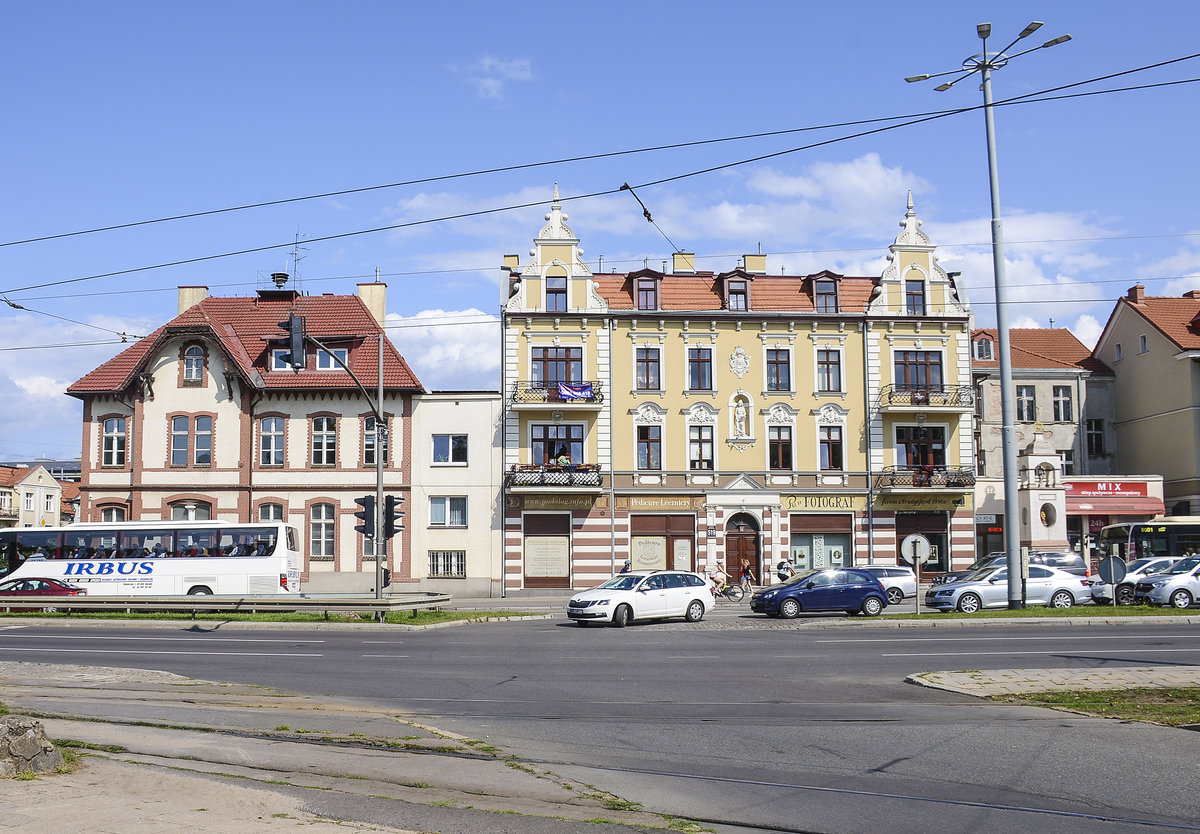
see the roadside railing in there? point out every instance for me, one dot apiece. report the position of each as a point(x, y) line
point(205, 604)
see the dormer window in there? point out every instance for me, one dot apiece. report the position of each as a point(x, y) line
point(647, 294)
point(193, 365)
point(826, 296)
point(914, 298)
point(326, 360)
point(983, 350)
point(739, 296)
point(556, 294)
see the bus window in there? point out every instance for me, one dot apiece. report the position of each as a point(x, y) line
point(201, 542)
point(35, 544)
point(146, 544)
point(247, 542)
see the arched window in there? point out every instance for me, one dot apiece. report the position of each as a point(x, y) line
point(193, 365)
point(270, 512)
point(112, 514)
point(983, 350)
point(191, 511)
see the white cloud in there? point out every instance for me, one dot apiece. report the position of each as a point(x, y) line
point(450, 348)
point(1087, 329)
point(490, 74)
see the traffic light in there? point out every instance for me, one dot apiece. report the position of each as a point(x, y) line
point(295, 329)
point(367, 515)
point(387, 577)
point(393, 517)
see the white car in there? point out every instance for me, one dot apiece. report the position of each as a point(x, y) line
point(1178, 586)
point(644, 595)
point(899, 581)
point(1102, 592)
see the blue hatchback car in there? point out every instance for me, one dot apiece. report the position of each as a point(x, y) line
point(822, 589)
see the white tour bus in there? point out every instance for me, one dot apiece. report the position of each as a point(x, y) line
point(157, 558)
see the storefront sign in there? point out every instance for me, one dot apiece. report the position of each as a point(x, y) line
point(559, 502)
point(657, 502)
point(648, 552)
point(824, 501)
point(985, 518)
point(547, 556)
point(1106, 489)
point(918, 502)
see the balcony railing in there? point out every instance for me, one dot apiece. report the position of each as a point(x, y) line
point(958, 396)
point(571, 475)
point(926, 477)
point(585, 392)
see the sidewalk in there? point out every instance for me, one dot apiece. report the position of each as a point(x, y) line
point(1018, 681)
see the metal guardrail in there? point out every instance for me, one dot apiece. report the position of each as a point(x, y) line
point(243, 605)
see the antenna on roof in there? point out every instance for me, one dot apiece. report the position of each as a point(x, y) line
point(296, 259)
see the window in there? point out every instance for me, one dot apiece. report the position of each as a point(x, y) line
point(556, 295)
point(112, 514)
point(196, 434)
point(923, 446)
point(557, 364)
point(700, 369)
point(191, 511)
point(29, 501)
point(270, 512)
point(779, 447)
point(373, 439)
point(326, 361)
point(321, 532)
point(738, 295)
point(779, 369)
point(447, 564)
point(647, 294)
point(829, 371)
point(919, 370)
point(550, 441)
point(914, 298)
point(649, 447)
point(193, 365)
point(270, 441)
point(1026, 404)
point(646, 370)
point(700, 448)
point(324, 441)
point(1118, 354)
point(827, 300)
point(281, 359)
point(448, 511)
point(1142, 347)
point(1095, 438)
point(831, 448)
point(450, 448)
point(113, 442)
point(1062, 403)
point(983, 350)
point(1068, 461)
point(49, 507)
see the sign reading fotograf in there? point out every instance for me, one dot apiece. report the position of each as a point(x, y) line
point(1106, 489)
point(824, 501)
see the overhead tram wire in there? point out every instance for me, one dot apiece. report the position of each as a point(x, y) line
point(1027, 98)
point(609, 155)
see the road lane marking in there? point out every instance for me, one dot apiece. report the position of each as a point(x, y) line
point(981, 638)
point(58, 637)
point(1195, 650)
point(140, 651)
point(399, 656)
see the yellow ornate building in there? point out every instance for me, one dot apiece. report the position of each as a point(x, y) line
point(687, 419)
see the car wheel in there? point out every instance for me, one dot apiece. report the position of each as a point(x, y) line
point(872, 606)
point(622, 616)
point(789, 608)
point(1061, 599)
point(895, 596)
point(969, 603)
point(695, 611)
point(1181, 599)
point(1124, 595)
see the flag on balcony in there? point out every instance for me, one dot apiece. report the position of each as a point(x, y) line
point(575, 390)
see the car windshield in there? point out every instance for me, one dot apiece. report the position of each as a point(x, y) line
point(622, 582)
point(979, 575)
point(803, 575)
point(1185, 566)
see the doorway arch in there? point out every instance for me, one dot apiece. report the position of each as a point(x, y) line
point(742, 544)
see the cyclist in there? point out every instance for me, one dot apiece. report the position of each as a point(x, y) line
point(718, 578)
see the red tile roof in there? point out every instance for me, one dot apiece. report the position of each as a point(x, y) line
point(11, 476)
point(1175, 318)
point(248, 328)
point(1041, 348)
point(768, 293)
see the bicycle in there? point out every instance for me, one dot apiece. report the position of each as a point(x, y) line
point(731, 592)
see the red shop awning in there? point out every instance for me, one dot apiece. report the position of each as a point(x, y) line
point(1114, 505)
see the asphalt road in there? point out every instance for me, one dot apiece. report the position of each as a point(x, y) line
point(781, 726)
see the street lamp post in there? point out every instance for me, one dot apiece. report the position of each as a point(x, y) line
point(984, 63)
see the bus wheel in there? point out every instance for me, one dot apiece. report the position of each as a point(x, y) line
point(200, 591)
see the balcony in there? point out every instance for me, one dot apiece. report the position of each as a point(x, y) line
point(586, 394)
point(934, 478)
point(903, 398)
point(584, 476)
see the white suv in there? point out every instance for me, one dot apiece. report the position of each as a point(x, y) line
point(1178, 586)
point(644, 595)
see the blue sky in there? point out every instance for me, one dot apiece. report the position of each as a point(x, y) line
point(123, 112)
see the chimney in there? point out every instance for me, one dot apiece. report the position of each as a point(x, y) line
point(683, 262)
point(374, 295)
point(189, 297)
point(1137, 294)
point(1192, 294)
point(511, 262)
point(756, 264)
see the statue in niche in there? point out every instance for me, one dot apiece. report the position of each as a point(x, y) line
point(739, 419)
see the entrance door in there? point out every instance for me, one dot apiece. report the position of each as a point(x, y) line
point(741, 545)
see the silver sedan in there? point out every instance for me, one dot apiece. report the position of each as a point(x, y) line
point(988, 588)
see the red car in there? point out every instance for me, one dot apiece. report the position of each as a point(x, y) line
point(36, 587)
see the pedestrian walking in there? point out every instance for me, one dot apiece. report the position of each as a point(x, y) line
point(748, 578)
